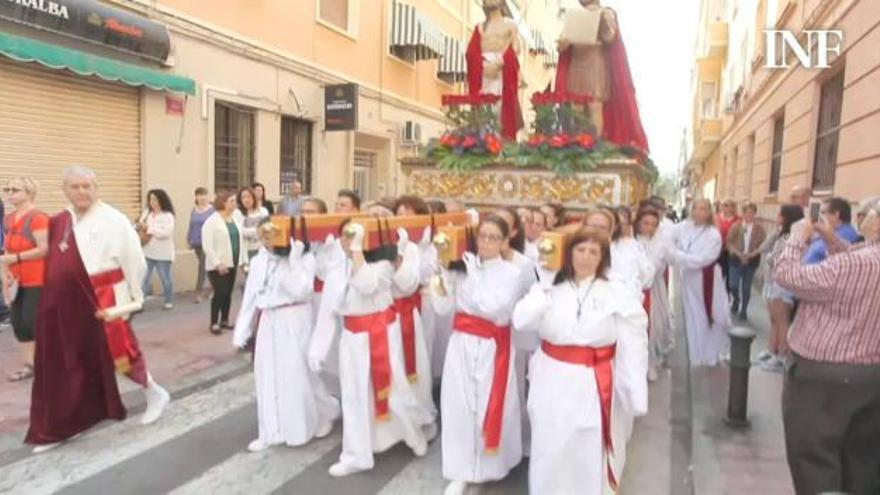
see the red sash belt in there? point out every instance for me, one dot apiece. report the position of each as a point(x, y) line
point(122, 348)
point(494, 418)
point(376, 324)
point(646, 303)
point(708, 289)
point(405, 308)
point(600, 359)
point(318, 285)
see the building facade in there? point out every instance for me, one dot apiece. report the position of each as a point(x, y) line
point(757, 132)
point(238, 94)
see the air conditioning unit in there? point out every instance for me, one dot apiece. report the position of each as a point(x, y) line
point(411, 133)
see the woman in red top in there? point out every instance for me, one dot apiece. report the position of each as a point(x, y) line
point(725, 221)
point(26, 243)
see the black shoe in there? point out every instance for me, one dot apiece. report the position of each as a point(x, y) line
point(226, 326)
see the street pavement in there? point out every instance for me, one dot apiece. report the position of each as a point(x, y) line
point(199, 445)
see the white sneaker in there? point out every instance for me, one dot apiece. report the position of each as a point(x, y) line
point(765, 355)
point(168, 306)
point(421, 449)
point(157, 399)
point(455, 488)
point(324, 430)
point(39, 449)
point(341, 469)
point(258, 446)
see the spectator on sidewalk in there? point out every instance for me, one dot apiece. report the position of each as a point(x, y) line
point(23, 266)
point(347, 201)
point(780, 302)
point(197, 217)
point(4, 310)
point(156, 228)
point(837, 214)
point(249, 214)
point(744, 245)
point(260, 195)
point(831, 397)
point(291, 205)
point(724, 221)
point(223, 243)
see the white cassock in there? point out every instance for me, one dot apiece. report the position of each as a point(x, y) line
point(531, 251)
point(568, 452)
point(662, 337)
point(524, 342)
point(107, 241)
point(406, 282)
point(697, 247)
point(292, 404)
point(328, 257)
point(490, 293)
point(630, 266)
point(437, 327)
point(366, 292)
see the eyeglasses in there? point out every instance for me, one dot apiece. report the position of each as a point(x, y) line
point(490, 237)
point(12, 190)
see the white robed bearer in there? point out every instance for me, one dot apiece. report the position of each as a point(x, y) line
point(660, 330)
point(379, 408)
point(589, 374)
point(706, 311)
point(407, 304)
point(479, 403)
point(292, 405)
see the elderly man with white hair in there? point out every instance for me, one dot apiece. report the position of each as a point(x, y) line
point(831, 397)
point(83, 331)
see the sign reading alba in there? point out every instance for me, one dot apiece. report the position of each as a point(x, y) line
point(341, 107)
point(94, 22)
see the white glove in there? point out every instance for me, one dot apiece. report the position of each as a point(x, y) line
point(471, 262)
point(330, 239)
point(426, 238)
point(316, 364)
point(297, 248)
point(402, 241)
point(474, 216)
point(357, 241)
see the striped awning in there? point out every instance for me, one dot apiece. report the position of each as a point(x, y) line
point(413, 35)
point(452, 67)
point(537, 44)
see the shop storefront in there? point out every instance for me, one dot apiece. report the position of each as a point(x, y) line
point(71, 77)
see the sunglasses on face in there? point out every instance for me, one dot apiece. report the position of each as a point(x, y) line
point(11, 190)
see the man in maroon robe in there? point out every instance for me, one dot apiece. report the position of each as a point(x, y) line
point(93, 272)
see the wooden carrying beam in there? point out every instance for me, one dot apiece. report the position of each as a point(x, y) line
point(316, 228)
point(413, 224)
point(446, 219)
point(551, 247)
point(451, 242)
point(281, 232)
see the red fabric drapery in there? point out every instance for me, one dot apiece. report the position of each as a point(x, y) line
point(511, 115)
point(406, 308)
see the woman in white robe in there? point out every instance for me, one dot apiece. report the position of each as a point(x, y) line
point(405, 291)
point(375, 416)
point(292, 405)
point(479, 401)
point(588, 375)
point(660, 330)
point(696, 249)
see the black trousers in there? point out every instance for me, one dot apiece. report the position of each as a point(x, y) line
point(222, 299)
point(832, 427)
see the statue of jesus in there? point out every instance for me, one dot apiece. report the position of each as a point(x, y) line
point(493, 67)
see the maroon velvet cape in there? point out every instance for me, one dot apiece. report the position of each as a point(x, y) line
point(74, 384)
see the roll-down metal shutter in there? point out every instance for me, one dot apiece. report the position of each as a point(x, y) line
point(50, 119)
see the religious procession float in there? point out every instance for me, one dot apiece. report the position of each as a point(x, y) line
point(586, 145)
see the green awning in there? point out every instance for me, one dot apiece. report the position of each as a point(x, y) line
point(84, 64)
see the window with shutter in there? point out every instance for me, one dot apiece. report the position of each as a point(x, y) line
point(828, 132)
point(776, 154)
point(233, 147)
point(296, 154)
